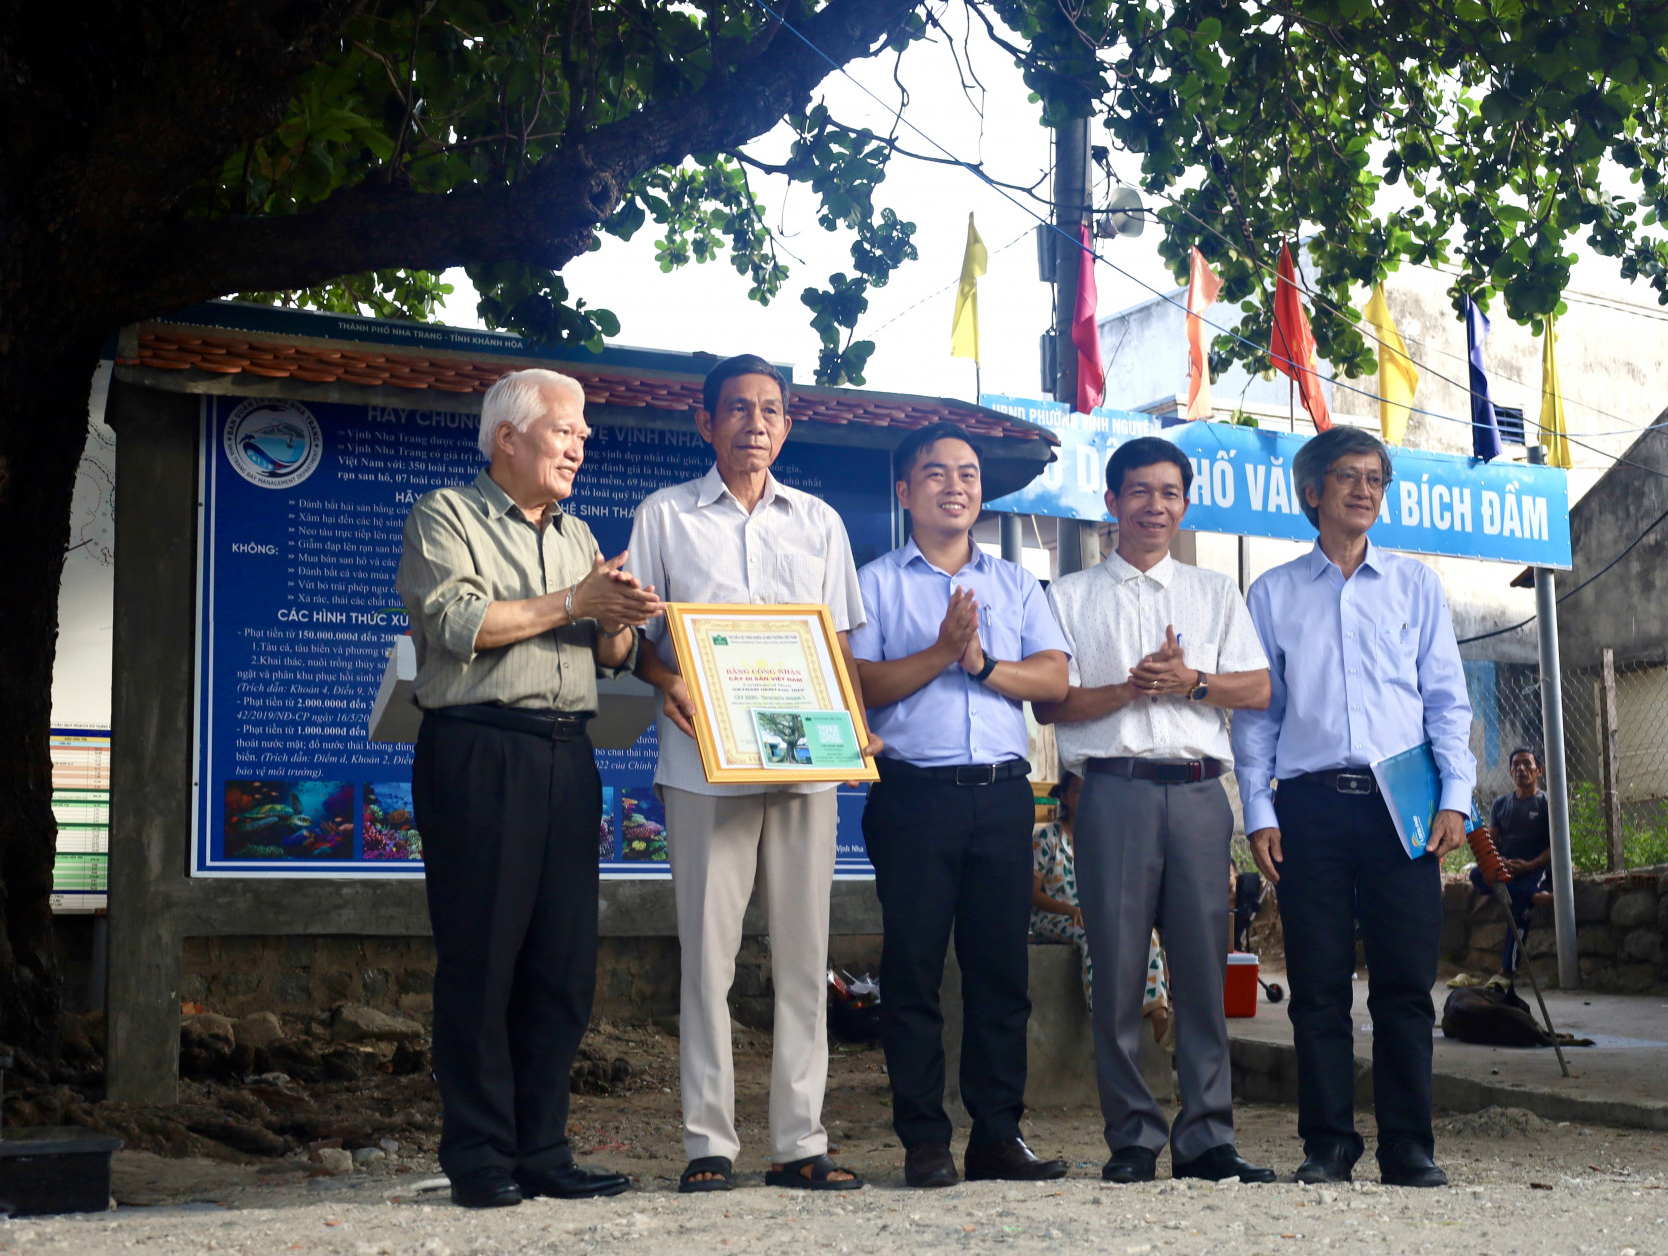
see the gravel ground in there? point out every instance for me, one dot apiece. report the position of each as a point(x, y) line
point(1521, 1184)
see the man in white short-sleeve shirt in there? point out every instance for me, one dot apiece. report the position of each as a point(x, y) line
point(1160, 652)
point(738, 535)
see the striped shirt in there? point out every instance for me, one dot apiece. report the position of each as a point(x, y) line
point(694, 542)
point(466, 548)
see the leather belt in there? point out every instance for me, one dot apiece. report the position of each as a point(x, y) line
point(551, 725)
point(1344, 780)
point(1163, 771)
point(957, 774)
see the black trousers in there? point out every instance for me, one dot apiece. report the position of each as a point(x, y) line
point(1343, 864)
point(953, 856)
point(509, 823)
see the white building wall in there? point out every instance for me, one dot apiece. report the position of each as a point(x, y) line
point(1612, 360)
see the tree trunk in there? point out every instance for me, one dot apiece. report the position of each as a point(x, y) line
point(44, 381)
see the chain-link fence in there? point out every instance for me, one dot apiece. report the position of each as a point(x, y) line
point(1615, 751)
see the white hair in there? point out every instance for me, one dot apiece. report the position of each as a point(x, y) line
point(518, 398)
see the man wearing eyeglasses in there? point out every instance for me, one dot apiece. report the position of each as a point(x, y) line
point(1363, 665)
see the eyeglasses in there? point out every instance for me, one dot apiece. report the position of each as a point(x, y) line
point(1350, 478)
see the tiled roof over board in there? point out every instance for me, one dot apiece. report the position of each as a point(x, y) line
point(169, 347)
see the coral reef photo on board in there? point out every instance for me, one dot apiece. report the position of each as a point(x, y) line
point(289, 819)
point(643, 830)
point(390, 831)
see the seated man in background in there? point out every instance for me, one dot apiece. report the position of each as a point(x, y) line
point(1523, 836)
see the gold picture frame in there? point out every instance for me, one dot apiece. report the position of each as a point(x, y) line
point(736, 659)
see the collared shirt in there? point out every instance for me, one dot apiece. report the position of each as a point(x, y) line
point(1114, 616)
point(694, 542)
point(1360, 669)
point(466, 548)
point(953, 719)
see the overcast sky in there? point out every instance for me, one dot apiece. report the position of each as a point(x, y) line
point(705, 307)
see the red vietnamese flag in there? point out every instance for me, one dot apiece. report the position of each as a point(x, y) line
point(1085, 334)
point(1292, 346)
point(1202, 288)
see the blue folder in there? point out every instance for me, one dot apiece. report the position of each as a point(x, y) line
point(1412, 787)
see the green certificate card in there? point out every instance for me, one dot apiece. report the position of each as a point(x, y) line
point(807, 739)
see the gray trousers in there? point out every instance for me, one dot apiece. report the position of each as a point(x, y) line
point(1150, 854)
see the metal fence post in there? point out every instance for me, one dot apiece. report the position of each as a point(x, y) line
point(1557, 776)
point(1610, 738)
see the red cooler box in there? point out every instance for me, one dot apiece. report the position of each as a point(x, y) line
point(1239, 995)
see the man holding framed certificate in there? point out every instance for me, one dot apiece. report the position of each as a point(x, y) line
point(771, 570)
point(954, 641)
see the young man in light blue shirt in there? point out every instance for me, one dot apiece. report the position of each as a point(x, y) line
point(953, 641)
point(1363, 665)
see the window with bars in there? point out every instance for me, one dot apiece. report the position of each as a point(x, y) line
point(1510, 421)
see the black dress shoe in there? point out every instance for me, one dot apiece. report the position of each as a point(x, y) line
point(1325, 1165)
point(1218, 1165)
point(1410, 1166)
point(1009, 1161)
point(486, 1188)
point(929, 1165)
point(1129, 1165)
point(570, 1182)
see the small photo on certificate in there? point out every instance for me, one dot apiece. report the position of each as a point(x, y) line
point(807, 739)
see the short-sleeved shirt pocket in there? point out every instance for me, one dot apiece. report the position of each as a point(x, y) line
point(1202, 656)
point(800, 571)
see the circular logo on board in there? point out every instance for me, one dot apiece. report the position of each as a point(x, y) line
point(275, 444)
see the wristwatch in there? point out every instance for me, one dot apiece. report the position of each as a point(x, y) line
point(1200, 691)
point(983, 674)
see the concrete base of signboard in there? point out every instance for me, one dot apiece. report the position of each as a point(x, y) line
point(1059, 1040)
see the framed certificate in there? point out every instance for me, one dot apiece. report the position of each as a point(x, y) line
point(773, 702)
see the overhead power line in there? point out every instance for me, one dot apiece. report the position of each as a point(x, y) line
point(986, 179)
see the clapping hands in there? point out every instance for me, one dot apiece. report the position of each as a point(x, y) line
point(958, 635)
point(614, 597)
point(1165, 671)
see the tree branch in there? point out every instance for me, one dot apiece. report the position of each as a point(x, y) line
point(544, 219)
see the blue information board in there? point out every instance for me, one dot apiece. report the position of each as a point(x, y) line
point(299, 540)
point(1508, 512)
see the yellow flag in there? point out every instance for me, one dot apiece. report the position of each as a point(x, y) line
point(964, 331)
point(1553, 433)
point(1398, 379)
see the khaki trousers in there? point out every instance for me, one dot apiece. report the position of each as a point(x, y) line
point(716, 845)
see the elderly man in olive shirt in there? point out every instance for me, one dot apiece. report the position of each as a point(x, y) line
point(513, 613)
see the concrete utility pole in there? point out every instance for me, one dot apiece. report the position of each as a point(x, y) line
point(1079, 539)
point(1557, 778)
point(1013, 538)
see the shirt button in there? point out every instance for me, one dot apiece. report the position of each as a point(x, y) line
point(1349, 634)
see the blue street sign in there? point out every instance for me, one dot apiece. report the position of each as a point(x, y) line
point(1242, 485)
